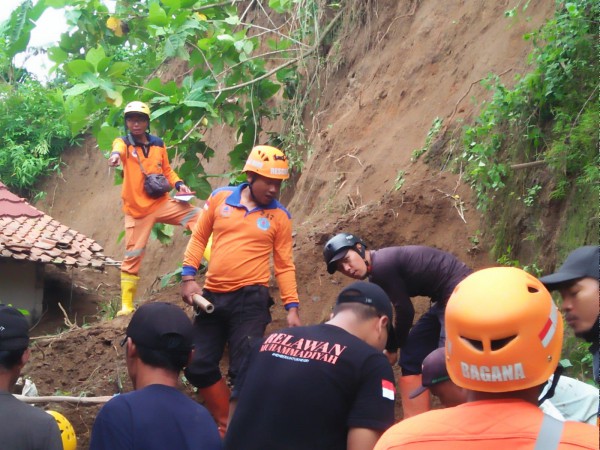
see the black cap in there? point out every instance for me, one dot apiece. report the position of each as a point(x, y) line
point(581, 263)
point(434, 371)
point(161, 326)
point(14, 329)
point(371, 294)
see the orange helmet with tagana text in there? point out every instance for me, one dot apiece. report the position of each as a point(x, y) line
point(503, 331)
point(269, 162)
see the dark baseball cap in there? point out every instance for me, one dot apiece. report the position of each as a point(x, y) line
point(161, 326)
point(14, 329)
point(434, 371)
point(581, 263)
point(371, 294)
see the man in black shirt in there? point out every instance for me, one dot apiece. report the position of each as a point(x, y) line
point(404, 272)
point(320, 387)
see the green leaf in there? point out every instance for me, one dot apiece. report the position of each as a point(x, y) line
point(172, 4)
point(78, 89)
point(173, 44)
point(57, 55)
point(157, 16)
point(267, 89)
point(232, 20)
point(94, 56)
point(159, 112)
point(196, 104)
point(117, 69)
point(106, 136)
point(78, 67)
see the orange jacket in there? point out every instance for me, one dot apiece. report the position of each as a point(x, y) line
point(135, 200)
point(243, 242)
point(487, 424)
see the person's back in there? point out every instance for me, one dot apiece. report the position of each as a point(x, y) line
point(487, 424)
point(309, 387)
point(155, 417)
point(25, 427)
point(504, 340)
point(22, 426)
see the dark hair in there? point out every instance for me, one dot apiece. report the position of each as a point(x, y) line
point(10, 358)
point(364, 312)
point(174, 358)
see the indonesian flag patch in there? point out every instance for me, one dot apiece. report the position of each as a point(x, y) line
point(388, 390)
point(547, 333)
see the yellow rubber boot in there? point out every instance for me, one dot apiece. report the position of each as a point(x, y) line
point(129, 284)
point(216, 400)
point(413, 406)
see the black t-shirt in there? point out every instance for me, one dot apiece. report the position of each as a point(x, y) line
point(415, 270)
point(304, 388)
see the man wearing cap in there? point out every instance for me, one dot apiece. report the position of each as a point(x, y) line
point(320, 387)
point(158, 345)
point(404, 272)
point(22, 426)
point(503, 342)
point(577, 282)
point(567, 399)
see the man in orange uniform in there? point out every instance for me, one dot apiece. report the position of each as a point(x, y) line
point(503, 341)
point(248, 225)
point(141, 153)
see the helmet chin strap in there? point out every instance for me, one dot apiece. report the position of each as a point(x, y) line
point(250, 183)
point(363, 254)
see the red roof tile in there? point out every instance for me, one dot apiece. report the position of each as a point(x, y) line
point(28, 233)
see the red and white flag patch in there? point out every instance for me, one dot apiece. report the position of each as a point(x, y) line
point(549, 328)
point(388, 390)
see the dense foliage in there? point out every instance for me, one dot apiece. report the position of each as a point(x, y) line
point(233, 68)
point(550, 121)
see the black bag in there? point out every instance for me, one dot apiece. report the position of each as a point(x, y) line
point(156, 185)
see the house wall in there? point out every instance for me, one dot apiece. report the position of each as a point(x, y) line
point(22, 286)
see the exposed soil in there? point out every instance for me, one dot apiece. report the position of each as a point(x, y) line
point(406, 65)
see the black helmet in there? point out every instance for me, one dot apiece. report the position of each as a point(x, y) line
point(337, 247)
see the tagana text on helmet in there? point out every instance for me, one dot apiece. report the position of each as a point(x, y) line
point(269, 162)
point(503, 331)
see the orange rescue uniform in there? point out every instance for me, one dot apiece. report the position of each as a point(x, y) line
point(136, 202)
point(142, 211)
point(243, 242)
point(488, 424)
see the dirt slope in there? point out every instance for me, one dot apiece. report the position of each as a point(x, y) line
point(402, 65)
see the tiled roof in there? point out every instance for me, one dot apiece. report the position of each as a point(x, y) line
point(26, 233)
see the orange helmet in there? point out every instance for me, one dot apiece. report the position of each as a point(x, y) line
point(503, 331)
point(138, 108)
point(270, 162)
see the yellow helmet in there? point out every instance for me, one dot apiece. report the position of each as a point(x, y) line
point(138, 108)
point(269, 162)
point(503, 331)
point(67, 432)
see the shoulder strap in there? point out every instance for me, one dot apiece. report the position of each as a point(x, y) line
point(550, 433)
point(129, 140)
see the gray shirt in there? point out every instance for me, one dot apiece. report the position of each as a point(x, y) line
point(24, 427)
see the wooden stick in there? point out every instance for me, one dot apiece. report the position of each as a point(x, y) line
point(63, 398)
point(203, 304)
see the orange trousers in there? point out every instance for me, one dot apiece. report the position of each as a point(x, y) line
point(137, 231)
